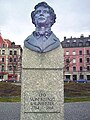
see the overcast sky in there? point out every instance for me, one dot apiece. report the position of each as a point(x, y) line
point(73, 18)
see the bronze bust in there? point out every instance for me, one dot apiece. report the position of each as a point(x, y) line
point(42, 39)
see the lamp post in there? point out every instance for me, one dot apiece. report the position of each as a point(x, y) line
point(13, 46)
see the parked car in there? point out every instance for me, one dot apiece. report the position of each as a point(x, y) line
point(67, 80)
point(88, 81)
point(11, 80)
point(81, 81)
point(5, 81)
point(1, 80)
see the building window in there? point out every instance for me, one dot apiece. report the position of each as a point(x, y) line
point(10, 67)
point(81, 68)
point(67, 68)
point(67, 44)
point(80, 60)
point(2, 69)
point(68, 41)
point(10, 60)
point(14, 59)
point(2, 59)
point(74, 53)
point(88, 68)
point(89, 39)
point(74, 60)
point(3, 52)
point(3, 45)
point(74, 40)
point(74, 68)
point(87, 43)
point(87, 60)
point(10, 52)
point(14, 67)
point(73, 44)
point(80, 52)
point(15, 52)
point(67, 61)
point(81, 77)
point(87, 52)
point(80, 44)
point(67, 52)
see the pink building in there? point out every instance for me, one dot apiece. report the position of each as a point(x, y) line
point(77, 58)
point(10, 60)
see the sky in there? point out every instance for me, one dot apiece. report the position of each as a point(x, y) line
point(73, 18)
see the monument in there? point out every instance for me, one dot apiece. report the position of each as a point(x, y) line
point(42, 69)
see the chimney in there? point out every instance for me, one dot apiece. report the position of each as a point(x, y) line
point(71, 37)
point(65, 38)
point(82, 36)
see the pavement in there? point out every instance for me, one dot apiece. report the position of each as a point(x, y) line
point(72, 111)
point(77, 111)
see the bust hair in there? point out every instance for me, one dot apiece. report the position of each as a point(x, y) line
point(52, 13)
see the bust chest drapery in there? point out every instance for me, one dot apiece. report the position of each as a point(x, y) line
point(42, 45)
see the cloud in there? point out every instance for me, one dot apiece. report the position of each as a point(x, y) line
point(73, 17)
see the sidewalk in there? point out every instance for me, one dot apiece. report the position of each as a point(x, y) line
point(77, 111)
point(73, 111)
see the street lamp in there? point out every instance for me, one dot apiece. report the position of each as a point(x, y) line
point(13, 46)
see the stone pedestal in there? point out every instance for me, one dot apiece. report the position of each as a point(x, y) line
point(42, 91)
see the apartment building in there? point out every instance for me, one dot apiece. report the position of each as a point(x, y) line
point(10, 60)
point(76, 58)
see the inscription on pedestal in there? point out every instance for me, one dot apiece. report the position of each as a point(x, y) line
point(41, 101)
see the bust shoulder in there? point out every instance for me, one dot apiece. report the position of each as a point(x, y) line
point(33, 44)
point(30, 37)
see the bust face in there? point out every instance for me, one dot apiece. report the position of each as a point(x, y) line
point(42, 39)
point(42, 16)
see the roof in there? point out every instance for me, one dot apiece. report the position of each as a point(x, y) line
point(76, 42)
point(7, 43)
point(1, 40)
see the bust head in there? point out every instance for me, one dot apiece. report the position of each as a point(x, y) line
point(44, 11)
point(42, 39)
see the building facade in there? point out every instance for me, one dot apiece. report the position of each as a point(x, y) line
point(76, 58)
point(10, 60)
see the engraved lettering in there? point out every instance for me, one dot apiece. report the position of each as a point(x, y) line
point(42, 100)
